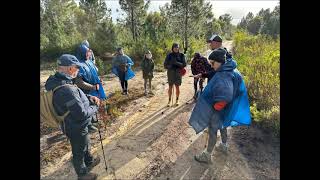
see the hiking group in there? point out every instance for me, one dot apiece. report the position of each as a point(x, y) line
point(78, 95)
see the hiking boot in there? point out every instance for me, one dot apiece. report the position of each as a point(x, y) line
point(123, 93)
point(92, 129)
point(151, 93)
point(203, 157)
point(145, 93)
point(222, 147)
point(88, 176)
point(95, 162)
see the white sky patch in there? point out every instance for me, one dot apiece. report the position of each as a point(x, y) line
point(237, 9)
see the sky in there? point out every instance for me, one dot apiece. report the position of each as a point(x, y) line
point(236, 8)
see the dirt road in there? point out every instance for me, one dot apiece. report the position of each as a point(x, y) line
point(152, 141)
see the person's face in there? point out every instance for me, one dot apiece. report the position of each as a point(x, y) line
point(148, 56)
point(121, 52)
point(88, 54)
point(215, 65)
point(73, 71)
point(215, 45)
point(176, 49)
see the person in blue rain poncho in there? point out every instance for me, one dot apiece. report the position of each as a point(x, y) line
point(223, 103)
point(88, 79)
point(121, 67)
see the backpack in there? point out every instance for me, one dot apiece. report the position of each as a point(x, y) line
point(47, 111)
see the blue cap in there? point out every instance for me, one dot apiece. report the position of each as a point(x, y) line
point(68, 60)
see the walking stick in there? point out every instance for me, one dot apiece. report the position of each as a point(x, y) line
point(104, 157)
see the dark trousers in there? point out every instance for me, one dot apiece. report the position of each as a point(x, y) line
point(195, 84)
point(81, 153)
point(124, 83)
point(213, 130)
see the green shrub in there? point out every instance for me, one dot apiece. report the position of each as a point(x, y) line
point(258, 59)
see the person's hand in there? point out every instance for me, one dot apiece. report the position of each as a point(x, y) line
point(102, 83)
point(95, 100)
point(198, 76)
point(97, 87)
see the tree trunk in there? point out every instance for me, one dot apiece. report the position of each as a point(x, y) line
point(186, 29)
point(132, 24)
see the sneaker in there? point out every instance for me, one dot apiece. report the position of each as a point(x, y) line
point(95, 162)
point(88, 176)
point(123, 93)
point(92, 129)
point(177, 103)
point(203, 157)
point(168, 105)
point(223, 147)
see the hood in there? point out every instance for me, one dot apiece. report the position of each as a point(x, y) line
point(81, 53)
point(86, 43)
point(229, 65)
point(57, 80)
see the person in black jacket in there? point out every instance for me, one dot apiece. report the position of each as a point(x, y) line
point(174, 62)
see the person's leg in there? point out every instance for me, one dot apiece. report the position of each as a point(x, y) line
point(201, 84)
point(195, 86)
point(89, 160)
point(145, 86)
point(79, 147)
point(224, 135)
point(170, 93)
point(91, 127)
point(212, 139)
point(126, 86)
point(205, 155)
point(121, 77)
point(150, 87)
point(223, 145)
point(177, 94)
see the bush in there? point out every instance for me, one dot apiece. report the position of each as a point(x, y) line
point(258, 59)
point(101, 67)
point(267, 119)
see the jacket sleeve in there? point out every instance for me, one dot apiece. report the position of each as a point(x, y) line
point(223, 90)
point(193, 67)
point(142, 64)
point(84, 85)
point(76, 107)
point(114, 59)
point(129, 61)
point(184, 63)
point(166, 62)
point(181, 64)
point(152, 65)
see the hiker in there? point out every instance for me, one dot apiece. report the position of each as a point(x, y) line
point(174, 62)
point(199, 64)
point(82, 108)
point(121, 67)
point(147, 67)
point(216, 42)
point(88, 79)
point(224, 102)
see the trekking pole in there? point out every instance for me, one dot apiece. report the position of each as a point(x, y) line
point(104, 157)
